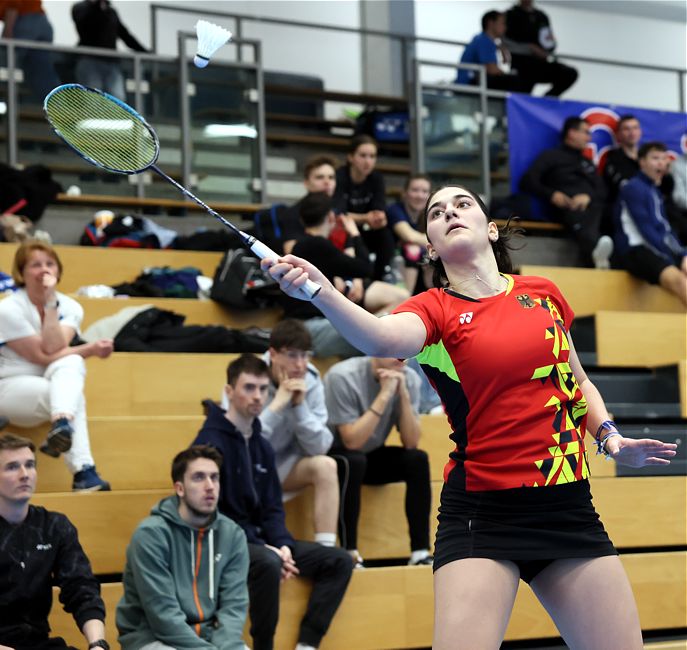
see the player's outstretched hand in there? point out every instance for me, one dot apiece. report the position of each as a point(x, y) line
point(638, 453)
point(291, 273)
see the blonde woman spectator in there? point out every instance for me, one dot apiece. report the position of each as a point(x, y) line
point(41, 376)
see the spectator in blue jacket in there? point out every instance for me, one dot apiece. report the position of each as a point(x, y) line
point(645, 243)
point(250, 494)
point(487, 49)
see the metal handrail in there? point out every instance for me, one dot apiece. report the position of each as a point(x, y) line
point(137, 59)
point(408, 41)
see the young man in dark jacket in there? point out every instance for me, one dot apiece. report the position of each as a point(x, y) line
point(564, 178)
point(39, 548)
point(251, 495)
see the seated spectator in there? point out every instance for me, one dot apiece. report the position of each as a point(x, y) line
point(40, 549)
point(251, 495)
point(181, 597)
point(403, 217)
point(349, 270)
point(366, 398)
point(295, 422)
point(568, 181)
point(41, 376)
point(621, 162)
point(531, 41)
point(678, 169)
point(319, 175)
point(645, 243)
point(360, 194)
point(488, 50)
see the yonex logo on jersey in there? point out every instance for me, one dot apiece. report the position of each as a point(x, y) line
point(465, 318)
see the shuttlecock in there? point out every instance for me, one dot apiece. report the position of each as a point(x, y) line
point(210, 38)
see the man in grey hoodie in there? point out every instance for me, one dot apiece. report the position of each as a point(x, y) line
point(295, 423)
point(186, 567)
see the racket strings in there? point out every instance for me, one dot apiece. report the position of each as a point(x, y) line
point(102, 130)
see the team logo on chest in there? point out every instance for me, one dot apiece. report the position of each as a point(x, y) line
point(525, 301)
point(465, 318)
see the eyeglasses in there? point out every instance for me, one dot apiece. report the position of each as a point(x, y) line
point(297, 355)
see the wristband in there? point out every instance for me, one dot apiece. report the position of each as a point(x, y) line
point(379, 415)
point(607, 425)
point(100, 643)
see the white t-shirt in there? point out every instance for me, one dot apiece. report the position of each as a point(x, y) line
point(19, 318)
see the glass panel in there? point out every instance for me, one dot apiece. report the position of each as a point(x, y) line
point(4, 142)
point(224, 132)
point(37, 144)
point(451, 131)
point(497, 129)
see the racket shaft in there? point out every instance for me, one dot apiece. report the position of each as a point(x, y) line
point(310, 289)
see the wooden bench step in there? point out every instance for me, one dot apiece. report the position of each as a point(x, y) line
point(656, 517)
point(84, 265)
point(630, 339)
point(392, 607)
point(197, 312)
point(591, 290)
point(135, 452)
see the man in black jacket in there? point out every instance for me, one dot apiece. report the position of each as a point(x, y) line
point(568, 181)
point(39, 548)
point(250, 494)
point(530, 40)
point(98, 25)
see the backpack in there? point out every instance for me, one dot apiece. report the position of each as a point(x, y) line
point(239, 282)
point(267, 227)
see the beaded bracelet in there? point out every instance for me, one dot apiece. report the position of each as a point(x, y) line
point(612, 429)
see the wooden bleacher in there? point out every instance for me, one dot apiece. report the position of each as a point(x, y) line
point(382, 531)
point(84, 265)
point(123, 446)
point(143, 408)
point(590, 290)
point(392, 607)
point(631, 339)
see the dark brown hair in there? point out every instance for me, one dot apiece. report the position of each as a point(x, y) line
point(359, 141)
point(648, 147)
point(416, 177)
point(317, 161)
point(10, 441)
point(183, 458)
point(290, 333)
point(501, 247)
point(247, 363)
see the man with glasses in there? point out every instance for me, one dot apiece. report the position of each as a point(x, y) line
point(569, 182)
point(295, 422)
point(250, 494)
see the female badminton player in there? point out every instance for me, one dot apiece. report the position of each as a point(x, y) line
point(516, 501)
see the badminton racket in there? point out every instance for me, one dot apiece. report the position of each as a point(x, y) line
point(111, 135)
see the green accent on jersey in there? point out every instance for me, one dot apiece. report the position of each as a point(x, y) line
point(436, 356)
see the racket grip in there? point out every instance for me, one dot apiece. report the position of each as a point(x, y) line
point(310, 289)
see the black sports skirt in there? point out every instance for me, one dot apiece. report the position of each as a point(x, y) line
point(523, 525)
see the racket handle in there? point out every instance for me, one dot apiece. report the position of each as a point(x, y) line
point(310, 289)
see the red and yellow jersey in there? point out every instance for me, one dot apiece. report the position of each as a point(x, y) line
point(501, 367)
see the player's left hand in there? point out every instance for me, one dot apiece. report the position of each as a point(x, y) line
point(638, 453)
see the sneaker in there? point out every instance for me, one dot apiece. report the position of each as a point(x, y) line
point(357, 560)
point(428, 560)
point(602, 252)
point(59, 438)
point(87, 480)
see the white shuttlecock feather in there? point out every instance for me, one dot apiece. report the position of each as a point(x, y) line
point(210, 38)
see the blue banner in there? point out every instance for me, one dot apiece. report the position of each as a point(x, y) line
point(534, 124)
